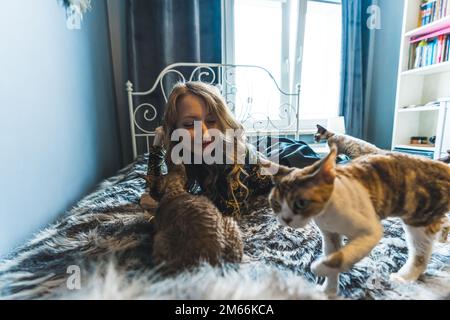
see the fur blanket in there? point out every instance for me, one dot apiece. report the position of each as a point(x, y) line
point(107, 237)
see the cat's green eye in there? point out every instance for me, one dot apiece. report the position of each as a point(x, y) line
point(301, 204)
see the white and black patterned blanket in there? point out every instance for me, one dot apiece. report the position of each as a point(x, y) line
point(108, 235)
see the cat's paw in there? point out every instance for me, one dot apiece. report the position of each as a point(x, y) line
point(328, 288)
point(399, 278)
point(322, 269)
point(328, 266)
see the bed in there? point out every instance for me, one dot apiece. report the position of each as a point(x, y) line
point(101, 248)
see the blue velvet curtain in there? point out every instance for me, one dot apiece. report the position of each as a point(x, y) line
point(162, 32)
point(355, 53)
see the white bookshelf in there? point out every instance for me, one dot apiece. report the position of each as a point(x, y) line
point(428, 70)
point(427, 28)
point(419, 87)
point(420, 109)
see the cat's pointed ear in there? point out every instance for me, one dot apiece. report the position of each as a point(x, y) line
point(320, 134)
point(327, 170)
point(282, 172)
point(321, 129)
point(274, 170)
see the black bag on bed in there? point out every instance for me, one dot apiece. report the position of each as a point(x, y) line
point(294, 153)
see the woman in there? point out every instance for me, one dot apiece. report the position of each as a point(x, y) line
point(229, 186)
point(196, 105)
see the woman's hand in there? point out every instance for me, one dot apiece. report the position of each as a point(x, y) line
point(159, 137)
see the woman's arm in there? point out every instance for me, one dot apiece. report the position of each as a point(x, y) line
point(156, 169)
point(156, 161)
point(157, 166)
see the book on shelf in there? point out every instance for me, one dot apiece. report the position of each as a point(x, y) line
point(429, 51)
point(433, 10)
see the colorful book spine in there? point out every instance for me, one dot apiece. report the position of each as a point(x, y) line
point(439, 49)
point(446, 48)
point(430, 51)
point(433, 10)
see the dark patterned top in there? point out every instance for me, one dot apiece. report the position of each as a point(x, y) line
point(229, 198)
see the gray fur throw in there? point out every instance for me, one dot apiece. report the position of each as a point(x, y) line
point(106, 240)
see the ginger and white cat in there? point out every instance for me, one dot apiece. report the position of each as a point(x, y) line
point(351, 200)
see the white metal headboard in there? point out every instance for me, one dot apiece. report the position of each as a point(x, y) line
point(223, 76)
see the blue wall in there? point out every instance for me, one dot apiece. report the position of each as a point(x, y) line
point(383, 83)
point(58, 128)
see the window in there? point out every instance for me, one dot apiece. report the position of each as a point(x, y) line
point(321, 67)
point(252, 46)
point(299, 42)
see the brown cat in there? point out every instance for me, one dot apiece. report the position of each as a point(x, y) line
point(348, 145)
point(190, 229)
point(351, 200)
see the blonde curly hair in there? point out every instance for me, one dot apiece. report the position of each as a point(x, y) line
point(216, 105)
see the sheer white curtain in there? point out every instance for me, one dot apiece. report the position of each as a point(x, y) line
point(299, 42)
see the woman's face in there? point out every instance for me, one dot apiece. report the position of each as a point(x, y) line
point(191, 109)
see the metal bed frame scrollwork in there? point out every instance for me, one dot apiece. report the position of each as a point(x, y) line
point(223, 76)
